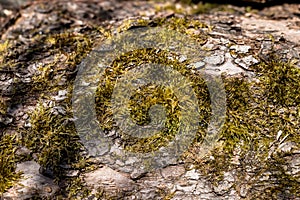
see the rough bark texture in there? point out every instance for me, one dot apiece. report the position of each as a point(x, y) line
point(31, 54)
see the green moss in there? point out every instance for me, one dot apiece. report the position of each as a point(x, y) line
point(281, 82)
point(4, 51)
point(68, 49)
point(146, 97)
point(257, 111)
point(188, 7)
point(79, 44)
point(187, 26)
point(53, 137)
point(8, 160)
point(202, 8)
point(4, 46)
point(3, 106)
point(169, 196)
point(77, 190)
point(151, 95)
point(140, 105)
point(53, 134)
point(280, 183)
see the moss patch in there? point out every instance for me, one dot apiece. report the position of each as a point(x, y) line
point(260, 114)
point(188, 7)
point(148, 96)
point(53, 137)
point(3, 106)
point(8, 160)
point(4, 47)
point(192, 27)
point(256, 111)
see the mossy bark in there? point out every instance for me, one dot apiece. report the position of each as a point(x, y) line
point(257, 154)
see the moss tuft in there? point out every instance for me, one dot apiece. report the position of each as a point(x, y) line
point(191, 27)
point(8, 160)
point(261, 115)
point(148, 96)
point(281, 82)
point(3, 51)
point(3, 106)
point(53, 137)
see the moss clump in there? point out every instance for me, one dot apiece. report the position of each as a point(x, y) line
point(3, 106)
point(235, 131)
point(3, 52)
point(4, 46)
point(140, 105)
point(281, 82)
point(143, 56)
point(77, 190)
point(202, 8)
point(188, 7)
point(191, 27)
point(67, 47)
point(8, 160)
point(148, 96)
point(256, 111)
point(262, 114)
point(75, 46)
point(53, 137)
point(281, 184)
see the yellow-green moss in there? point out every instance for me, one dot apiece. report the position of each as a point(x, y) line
point(256, 112)
point(68, 49)
point(3, 106)
point(144, 56)
point(4, 46)
point(169, 196)
point(190, 27)
point(3, 51)
point(147, 97)
point(280, 82)
point(187, 7)
point(53, 137)
point(8, 161)
point(202, 8)
point(77, 190)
